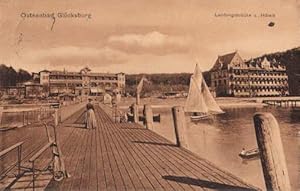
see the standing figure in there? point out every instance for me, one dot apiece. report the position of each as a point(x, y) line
point(90, 116)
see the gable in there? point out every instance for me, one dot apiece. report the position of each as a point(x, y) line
point(227, 60)
point(236, 61)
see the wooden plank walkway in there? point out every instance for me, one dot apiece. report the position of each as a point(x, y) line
point(127, 156)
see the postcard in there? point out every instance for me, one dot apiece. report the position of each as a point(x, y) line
point(149, 95)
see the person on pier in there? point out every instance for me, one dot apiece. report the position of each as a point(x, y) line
point(90, 116)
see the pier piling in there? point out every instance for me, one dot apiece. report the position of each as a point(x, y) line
point(135, 112)
point(271, 152)
point(179, 126)
point(148, 114)
point(138, 100)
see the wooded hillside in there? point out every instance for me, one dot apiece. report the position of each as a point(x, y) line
point(10, 77)
point(160, 83)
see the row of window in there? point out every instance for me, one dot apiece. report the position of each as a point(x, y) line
point(262, 74)
point(45, 77)
point(59, 77)
point(240, 81)
point(80, 84)
point(269, 83)
point(259, 90)
point(219, 74)
point(103, 78)
point(259, 78)
point(257, 87)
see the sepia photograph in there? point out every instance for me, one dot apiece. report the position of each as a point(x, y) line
point(150, 95)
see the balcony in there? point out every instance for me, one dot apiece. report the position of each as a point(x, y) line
point(65, 80)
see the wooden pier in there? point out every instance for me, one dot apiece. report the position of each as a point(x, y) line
point(283, 101)
point(119, 156)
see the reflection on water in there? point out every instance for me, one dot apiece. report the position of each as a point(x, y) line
point(222, 138)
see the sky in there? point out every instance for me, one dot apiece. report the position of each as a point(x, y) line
point(142, 36)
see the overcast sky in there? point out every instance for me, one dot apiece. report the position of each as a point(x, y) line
point(142, 36)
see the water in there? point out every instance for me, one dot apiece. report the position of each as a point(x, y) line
point(221, 139)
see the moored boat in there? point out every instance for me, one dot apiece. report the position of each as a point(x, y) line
point(199, 117)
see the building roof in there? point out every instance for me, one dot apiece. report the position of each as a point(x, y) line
point(89, 73)
point(260, 63)
point(44, 71)
point(29, 83)
point(226, 59)
point(223, 61)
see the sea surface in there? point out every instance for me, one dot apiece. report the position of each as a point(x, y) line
point(221, 139)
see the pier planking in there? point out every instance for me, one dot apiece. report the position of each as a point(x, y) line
point(126, 156)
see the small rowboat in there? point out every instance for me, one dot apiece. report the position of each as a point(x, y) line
point(249, 154)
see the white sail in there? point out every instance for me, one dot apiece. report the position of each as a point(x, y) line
point(199, 98)
point(211, 103)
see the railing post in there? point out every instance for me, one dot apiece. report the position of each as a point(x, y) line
point(33, 176)
point(19, 159)
point(271, 152)
point(39, 113)
point(56, 117)
point(1, 112)
point(179, 126)
point(27, 113)
point(293, 104)
point(29, 117)
point(148, 116)
point(23, 118)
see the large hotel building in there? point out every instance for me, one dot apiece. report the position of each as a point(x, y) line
point(81, 83)
point(232, 76)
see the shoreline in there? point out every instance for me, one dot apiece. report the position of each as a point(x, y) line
point(171, 102)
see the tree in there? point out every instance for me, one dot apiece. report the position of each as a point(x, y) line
point(9, 76)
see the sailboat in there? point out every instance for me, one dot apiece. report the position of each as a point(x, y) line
point(200, 102)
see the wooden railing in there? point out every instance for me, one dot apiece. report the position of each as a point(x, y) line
point(3, 153)
point(35, 157)
point(12, 118)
